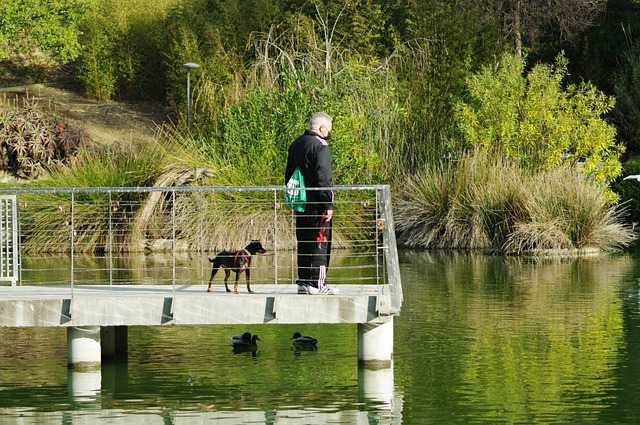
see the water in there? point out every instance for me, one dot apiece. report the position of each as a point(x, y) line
point(479, 340)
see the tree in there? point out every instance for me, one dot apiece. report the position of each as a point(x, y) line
point(532, 118)
point(626, 84)
point(527, 23)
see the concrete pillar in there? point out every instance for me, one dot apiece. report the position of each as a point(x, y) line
point(83, 347)
point(114, 342)
point(375, 341)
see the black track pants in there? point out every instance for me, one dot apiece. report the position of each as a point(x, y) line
point(314, 247)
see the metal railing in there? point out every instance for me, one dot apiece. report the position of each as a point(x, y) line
point(163, 235)
point(9, 246)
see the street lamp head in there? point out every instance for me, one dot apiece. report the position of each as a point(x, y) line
point(190, 65)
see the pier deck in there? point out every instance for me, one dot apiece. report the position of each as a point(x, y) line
point(155, 305)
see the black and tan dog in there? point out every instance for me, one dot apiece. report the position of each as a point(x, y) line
point(238, 262)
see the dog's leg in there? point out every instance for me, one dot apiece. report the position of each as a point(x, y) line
point(235, 286)
point(227, 272)
point(248, 277)
point(213, 273)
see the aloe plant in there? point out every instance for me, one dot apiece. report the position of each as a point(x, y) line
point(31, 139)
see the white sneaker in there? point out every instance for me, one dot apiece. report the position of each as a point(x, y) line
point(324, 291)
point(302, 289)
point(329, 291)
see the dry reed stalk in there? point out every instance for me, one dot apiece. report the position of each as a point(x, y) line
point(171, 178)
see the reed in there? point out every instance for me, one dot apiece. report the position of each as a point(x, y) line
point(566, 203)
point(478, 202)
point(48, 216)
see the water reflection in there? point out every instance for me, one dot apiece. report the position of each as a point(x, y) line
point(479, 339)
point(188, 268)
point(85, 388)
point(516, 339)
point(181, 374)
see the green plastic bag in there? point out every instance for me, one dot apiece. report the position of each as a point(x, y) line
point(295, 197)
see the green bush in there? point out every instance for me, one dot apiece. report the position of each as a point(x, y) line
point(124, 49)
point(29, 27)
point(532, 118)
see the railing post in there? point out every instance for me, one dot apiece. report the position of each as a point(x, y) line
point(173, 241)
point(376, 232)
point(391, 251)
point(201, 234)
point(110, 243)
point(275, 236)
point(73, 199)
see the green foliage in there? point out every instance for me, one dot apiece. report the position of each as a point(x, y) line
point(441, 44)
point(212, 83)
point(31, 139)
point(490, 203)
point(626, 84)
point(256, 133)
point(97, 69)
point(31, 26)
point(123, 44)
point(530, 117)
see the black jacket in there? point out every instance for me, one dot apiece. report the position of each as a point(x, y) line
point(311, 153)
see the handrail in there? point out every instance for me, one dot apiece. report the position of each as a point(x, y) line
point(122, 189)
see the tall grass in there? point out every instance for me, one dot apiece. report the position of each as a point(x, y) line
point(47, 216)
point(492, 204)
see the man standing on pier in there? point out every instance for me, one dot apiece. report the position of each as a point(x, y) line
point(311, 154)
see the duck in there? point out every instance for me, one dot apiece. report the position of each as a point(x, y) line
point(245, 342)
point(303, 341)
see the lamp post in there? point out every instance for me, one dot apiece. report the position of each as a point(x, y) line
point(189, 66)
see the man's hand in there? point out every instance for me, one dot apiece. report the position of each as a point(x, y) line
point(327, 215)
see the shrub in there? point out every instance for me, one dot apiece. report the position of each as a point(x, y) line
point(123, 48)
point(30, 27)
point(482, 202)
point(532, 118)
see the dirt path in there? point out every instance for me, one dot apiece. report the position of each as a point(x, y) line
point(105, 123)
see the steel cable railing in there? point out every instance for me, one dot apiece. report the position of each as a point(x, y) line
point(164, 235)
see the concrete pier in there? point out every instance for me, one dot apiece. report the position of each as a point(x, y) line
point(83, 347)
point(375, 341)
point(98, 297)
point(98, 316)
